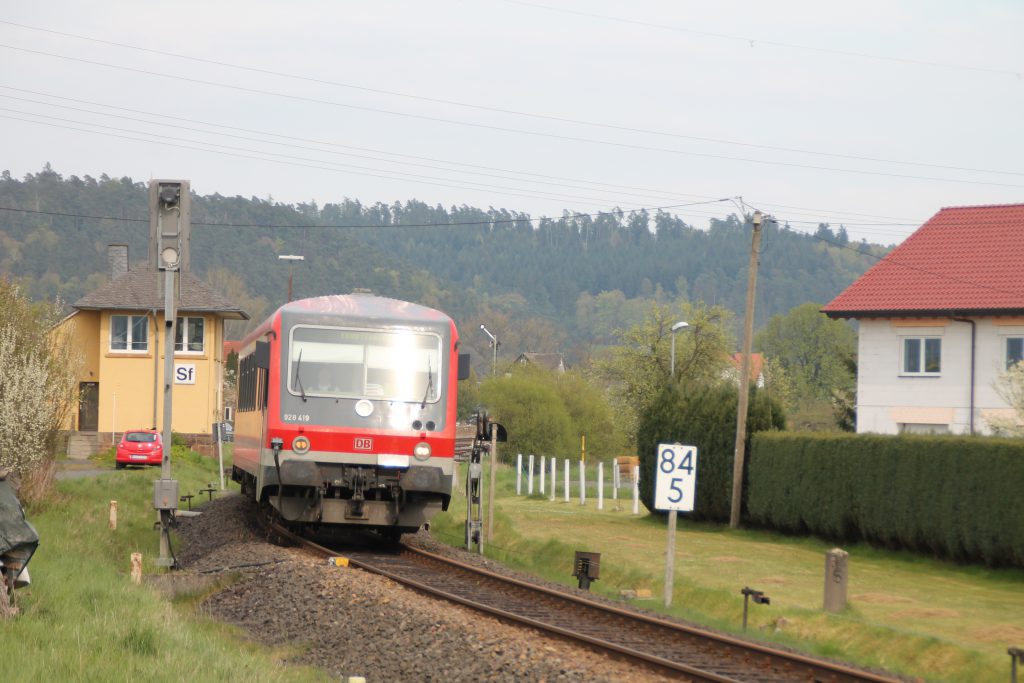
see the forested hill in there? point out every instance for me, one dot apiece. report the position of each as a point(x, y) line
point(550, 284)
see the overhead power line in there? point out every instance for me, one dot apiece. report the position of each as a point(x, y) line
point(832, 214)
point(660, 195)
point(496, 221)
point(513, 112)
point(475, 184)
point(887, 259)
point(753, 41)
point(303, 162)
point(327, 143)
point(506, 129)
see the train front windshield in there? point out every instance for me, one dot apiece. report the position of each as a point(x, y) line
point(390, 365)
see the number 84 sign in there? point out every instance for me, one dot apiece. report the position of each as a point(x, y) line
point(676, 477)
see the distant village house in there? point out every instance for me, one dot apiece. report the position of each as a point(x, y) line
point(939, 319)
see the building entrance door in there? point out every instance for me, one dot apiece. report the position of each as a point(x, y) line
point(89, 406)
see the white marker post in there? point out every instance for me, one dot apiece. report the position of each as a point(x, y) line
point(543, 473)
point(567, 480)
point(519, 474)
point(600, 486)
point(529, 477)
point(583, 483)
point(616, 481)
point(674, 487)
point(636, 490)
point(554, 470)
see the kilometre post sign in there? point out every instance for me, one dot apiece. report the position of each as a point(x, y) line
point(676, 477)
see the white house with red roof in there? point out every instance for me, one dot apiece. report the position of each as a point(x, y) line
point(940, 318)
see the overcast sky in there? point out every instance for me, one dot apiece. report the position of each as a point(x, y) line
point(874, 112)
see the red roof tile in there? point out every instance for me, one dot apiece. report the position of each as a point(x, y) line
point(964, 259)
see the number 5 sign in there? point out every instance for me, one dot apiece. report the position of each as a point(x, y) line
point(675, 483)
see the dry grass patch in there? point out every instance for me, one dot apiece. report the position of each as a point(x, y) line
point(1000, 633)
point(880, 598)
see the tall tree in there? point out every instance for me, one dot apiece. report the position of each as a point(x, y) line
point(638, 368)
point(813, 349)
point(38, 378)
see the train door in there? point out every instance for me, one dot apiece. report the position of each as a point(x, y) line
point(261, 358)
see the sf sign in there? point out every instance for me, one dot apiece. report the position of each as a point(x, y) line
point(675, 482)
point(184, 373)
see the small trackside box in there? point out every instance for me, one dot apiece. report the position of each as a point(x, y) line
point(165, 494)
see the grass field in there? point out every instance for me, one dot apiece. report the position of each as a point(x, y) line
point(82, 618)
point(908, 614)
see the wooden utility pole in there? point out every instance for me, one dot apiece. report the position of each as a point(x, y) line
point(741, 410)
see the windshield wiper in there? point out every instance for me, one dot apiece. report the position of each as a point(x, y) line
point(298, 364)
point(430, 385)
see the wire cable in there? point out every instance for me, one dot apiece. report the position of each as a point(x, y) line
point(836, 215)
point(500, 110)
point(496, 221)
point(752, 41)
point(647, 195)
point(602, 185)
point(291, 160)
point(519, 131)
point(852, 247)
point(886, 258)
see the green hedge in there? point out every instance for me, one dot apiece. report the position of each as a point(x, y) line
point(703, 416)
point(955, 497)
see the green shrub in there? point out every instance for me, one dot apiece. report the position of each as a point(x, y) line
point(705, 417)
point(955, 497)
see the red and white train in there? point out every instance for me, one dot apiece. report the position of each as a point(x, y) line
point(346, 412)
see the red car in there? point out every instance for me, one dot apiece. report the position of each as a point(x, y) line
point(139, 447)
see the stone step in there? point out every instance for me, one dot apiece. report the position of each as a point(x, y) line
point(82, 445)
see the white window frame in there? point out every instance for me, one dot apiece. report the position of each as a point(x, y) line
point(128, 338)
point(182, 324)
point(922, 355)
point(1006, 349)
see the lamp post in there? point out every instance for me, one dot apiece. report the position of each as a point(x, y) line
point(494, 345)
point(681, 325)
point(291, 259)
point(670, 550)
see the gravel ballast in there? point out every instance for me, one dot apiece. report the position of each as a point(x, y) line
point(350, 622)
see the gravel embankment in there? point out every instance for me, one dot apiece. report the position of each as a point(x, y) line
point(349, 622)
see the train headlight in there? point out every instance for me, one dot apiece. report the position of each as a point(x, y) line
point(300, 445)
point(421, 451)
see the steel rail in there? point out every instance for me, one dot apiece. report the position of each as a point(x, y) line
point(809, 668)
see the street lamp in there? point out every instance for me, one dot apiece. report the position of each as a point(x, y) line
point(675, 328)
point(291, 259)
point(494, 345)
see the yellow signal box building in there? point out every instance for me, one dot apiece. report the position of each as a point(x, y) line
point(119, 329)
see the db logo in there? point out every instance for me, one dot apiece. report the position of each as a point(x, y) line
point(363, 444)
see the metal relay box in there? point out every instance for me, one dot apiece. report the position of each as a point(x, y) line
point(165, 494)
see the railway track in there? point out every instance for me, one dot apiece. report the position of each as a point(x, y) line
point(691, 653)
